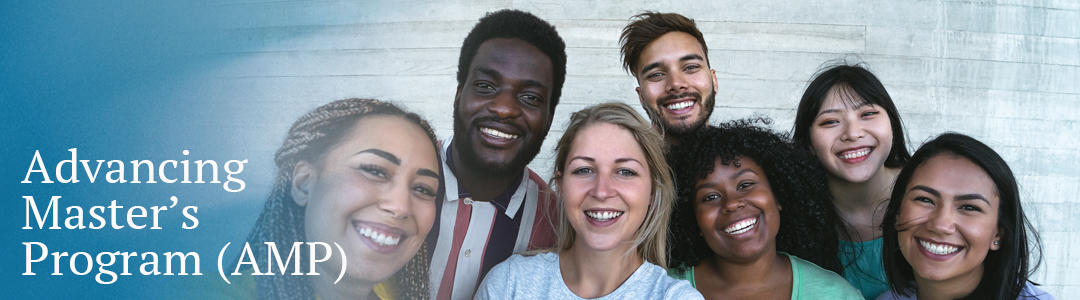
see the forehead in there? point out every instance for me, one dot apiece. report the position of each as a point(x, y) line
point(954, 175)
point(606, 140)
point(669, 48)
point(513, 58)
point(722, 172)
point(394, 134)
point(842, 97)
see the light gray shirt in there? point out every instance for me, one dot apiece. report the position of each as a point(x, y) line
point(538, 277)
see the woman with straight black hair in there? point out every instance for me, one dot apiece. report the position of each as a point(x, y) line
point(847, 119)
point(955, 228)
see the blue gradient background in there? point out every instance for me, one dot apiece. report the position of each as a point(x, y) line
point(117, 80)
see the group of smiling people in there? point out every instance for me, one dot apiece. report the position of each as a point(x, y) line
point(672, 208)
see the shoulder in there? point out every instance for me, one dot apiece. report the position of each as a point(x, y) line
point(1032, 292)
point(662, 285)
point(817, 282)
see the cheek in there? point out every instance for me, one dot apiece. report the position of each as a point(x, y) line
point(424, 212)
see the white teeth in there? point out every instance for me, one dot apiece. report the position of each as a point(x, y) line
point(379, 238)
point(862, 152)
point(603, 216)
point(497, 134)
point(680, 105)
point(741, 226)
point(937, 248)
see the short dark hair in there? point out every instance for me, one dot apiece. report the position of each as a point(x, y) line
point(646, 27)
point(1007, 269)
point(516, 24)
point(797, 180)
point(849, 78)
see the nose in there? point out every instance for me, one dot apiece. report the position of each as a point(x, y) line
point(395, 201)
point(603, 187)
point(505, 105)
point(733, 205)
point(677, 82)
point(852, 131)
point(941, 221)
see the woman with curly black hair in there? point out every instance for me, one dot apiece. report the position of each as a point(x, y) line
point(736, 184)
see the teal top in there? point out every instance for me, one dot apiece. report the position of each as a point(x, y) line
point(863, 267)
point(808, 281)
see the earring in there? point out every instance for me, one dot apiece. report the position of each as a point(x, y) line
point(995, 242)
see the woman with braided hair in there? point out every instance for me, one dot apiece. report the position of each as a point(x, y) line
point(362, 174)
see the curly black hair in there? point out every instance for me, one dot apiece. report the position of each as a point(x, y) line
point(809, 220)
point(521, 25)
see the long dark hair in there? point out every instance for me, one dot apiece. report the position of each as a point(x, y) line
point(1007, 269)
point(796, 178)
point(282, 220)
point(849, 79)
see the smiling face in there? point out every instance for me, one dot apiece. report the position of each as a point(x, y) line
point(852, 141)
point(948, 220)
point(373, 194)
point(606, 188)
point(675, 85)
point(736, 211)
point(502, 112)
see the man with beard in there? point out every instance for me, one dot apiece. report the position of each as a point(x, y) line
point(510, 76)
point(668, 56)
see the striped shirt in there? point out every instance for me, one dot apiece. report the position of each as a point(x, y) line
point(471, 237)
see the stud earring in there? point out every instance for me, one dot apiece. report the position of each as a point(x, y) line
point(995, 242)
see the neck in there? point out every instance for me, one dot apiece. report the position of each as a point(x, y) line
point(761, 272)
point(861, 204)
point(592, 274)
point(482, 185)
point(348, 288)
point(863, 195)
point(954, 288)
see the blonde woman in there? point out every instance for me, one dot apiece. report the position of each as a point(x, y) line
point(615, 199)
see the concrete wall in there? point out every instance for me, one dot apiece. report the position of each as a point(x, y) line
point(1006, 72)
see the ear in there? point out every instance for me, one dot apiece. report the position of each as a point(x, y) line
point(715, 83)
point(303, 175)
point(779, 207)
point(457, 97)
point(638, 91)
point(996, 243)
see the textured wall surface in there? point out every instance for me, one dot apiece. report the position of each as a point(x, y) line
point(1006, 72)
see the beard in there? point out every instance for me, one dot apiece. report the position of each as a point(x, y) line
point(682, 129)
point(464, 147)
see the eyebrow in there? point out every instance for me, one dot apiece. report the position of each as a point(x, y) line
point(733, 176)
point(427, 172)
point(964, 197)
point(495, 75)
point(691, 56)
point(590, 159)
point(741, 172)
point(836, 110)
point(489, 72)
point(972, 197)
point(383, 154)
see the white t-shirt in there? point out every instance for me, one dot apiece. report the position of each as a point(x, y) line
point(538, 277)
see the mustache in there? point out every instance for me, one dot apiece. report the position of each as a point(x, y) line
point(696, 95)
point(476, 123)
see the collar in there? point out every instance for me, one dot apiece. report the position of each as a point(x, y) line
point(509, 202)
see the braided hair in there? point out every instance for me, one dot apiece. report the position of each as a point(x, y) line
point(798, 184)
point(282, 220)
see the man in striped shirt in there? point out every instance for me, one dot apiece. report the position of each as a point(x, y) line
point(510, 76)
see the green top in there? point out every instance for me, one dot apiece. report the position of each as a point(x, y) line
point(808, 281)
point(863, 267)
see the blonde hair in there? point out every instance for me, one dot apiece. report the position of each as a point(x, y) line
point(650, 240)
